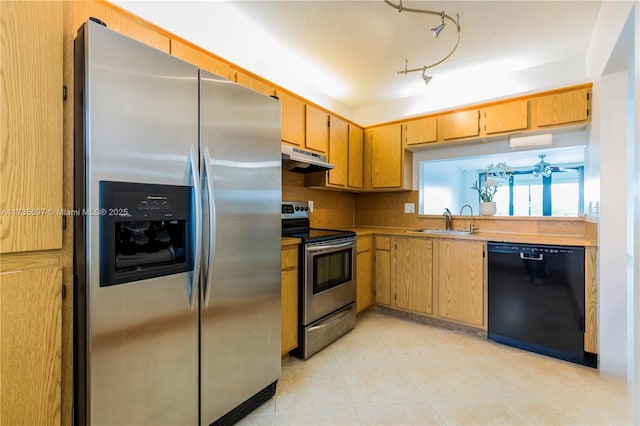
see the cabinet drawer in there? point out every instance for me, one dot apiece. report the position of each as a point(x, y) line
point(383, 243)
point(363, 244)
point(289, 257)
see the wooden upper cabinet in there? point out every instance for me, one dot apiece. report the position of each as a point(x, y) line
point(317, 130)
point(386, 168)
point(461, 281)
point(31, 126)
point(461, 124)
point(338, 152)
point(293, 119)
point(420, 131)
point(199, 58)
point(411, 272)
point(505, 117)
point(356, 156)
point(31, 343)
point(561, 108)
point(253, 83)
point(117, 21)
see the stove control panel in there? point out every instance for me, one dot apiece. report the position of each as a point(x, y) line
point(295, 210)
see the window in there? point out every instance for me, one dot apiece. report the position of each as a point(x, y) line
point(560, 194)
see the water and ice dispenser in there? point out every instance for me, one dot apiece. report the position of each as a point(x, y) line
point(145, 231)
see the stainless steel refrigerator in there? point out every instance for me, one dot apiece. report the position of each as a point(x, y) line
point(177, 251)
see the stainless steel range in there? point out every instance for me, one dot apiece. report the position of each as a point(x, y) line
point(327, 282)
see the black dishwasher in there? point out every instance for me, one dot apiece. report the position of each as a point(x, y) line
point(536, 299)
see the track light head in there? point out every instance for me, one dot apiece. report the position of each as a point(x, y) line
point(437, 30)
point(425, 77)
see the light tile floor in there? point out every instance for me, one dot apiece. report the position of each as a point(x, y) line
point(390, 371)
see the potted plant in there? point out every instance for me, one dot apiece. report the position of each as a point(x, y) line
point(495, 174)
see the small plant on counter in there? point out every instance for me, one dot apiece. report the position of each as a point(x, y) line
point(496, 173)
point(488, 190)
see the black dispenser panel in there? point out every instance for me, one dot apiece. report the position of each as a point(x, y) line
point(146, 231)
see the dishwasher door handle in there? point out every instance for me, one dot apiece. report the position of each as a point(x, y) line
point(526, 256)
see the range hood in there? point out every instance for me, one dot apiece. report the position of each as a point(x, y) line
point(301, 161)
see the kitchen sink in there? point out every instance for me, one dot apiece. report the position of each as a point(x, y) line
point(440, 231)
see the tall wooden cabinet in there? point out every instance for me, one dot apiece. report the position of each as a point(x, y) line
point(31, 198)
point(30, 347)
point(31, 126)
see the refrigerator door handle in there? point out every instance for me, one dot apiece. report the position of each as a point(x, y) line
point(212, 226)
point(197, 233)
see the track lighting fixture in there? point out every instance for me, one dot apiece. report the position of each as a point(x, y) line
point(436, 32)
point(425, 77)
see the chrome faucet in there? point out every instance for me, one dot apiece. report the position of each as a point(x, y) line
point(471, 227)
point(447, 219)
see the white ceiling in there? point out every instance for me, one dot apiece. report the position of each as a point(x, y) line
point(351, 51)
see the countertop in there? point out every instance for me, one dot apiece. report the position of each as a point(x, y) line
point(290, 241)
point(482, 236)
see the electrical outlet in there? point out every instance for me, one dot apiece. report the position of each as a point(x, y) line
point(310, 205)
point(409, 207)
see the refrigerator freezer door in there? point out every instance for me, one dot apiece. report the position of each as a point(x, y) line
point(140, 123)
point(240, 323)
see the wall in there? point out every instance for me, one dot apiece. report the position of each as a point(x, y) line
point(608, 183)
point(331, 209)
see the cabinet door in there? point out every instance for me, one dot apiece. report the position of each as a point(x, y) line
point(505, 117)
point(289, 320)
point(338, 152)
point(420, 131)
point(317, 129)
point(199, 58)
point(289, 298)
point(356, 156)
point(117, 21)
point(364, 284)
point(31, 126)
point(461, 124)
point(461, 281)
point(412, 274)
point(293, 119)
point(382, 274)
point(30, 347)
point(386, 156)
point(562, 108)
point(253, 83)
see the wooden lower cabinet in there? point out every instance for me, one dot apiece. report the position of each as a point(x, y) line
point(364, 283)
point(289, 296)
point(460, 281)
point(382, 277)
point(411, 272)
point(31, 347)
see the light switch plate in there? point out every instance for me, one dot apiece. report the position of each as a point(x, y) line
point(409, 207)
point(310, 202)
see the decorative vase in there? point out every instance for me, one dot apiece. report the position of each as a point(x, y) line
point(487, 208)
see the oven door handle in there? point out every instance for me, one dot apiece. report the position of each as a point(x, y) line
point(335, 319)
point(312, 249)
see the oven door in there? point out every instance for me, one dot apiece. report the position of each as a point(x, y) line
point(329, 277)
